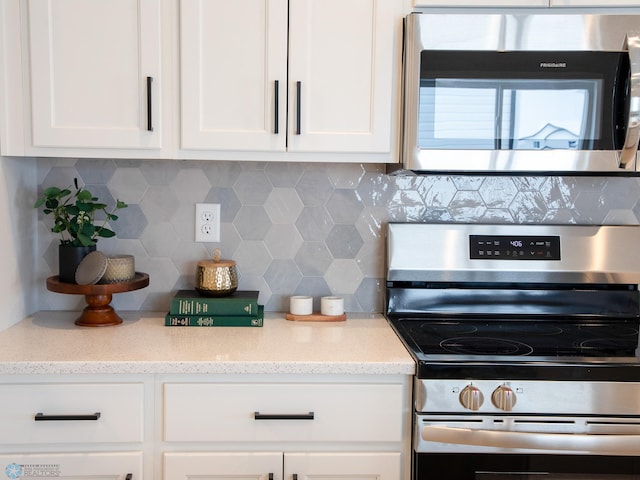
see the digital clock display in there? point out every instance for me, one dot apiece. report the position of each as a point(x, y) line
point(505, 247)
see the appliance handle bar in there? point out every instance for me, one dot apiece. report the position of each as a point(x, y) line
point(630, 147)
point(595, 444)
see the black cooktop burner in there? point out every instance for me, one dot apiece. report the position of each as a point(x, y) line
point(516, 338)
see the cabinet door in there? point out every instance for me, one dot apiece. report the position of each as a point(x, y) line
point(73, 466)
point(342, 74)
point(233, 74)
point(95, 73)
point(364, 466)
point(223, 466)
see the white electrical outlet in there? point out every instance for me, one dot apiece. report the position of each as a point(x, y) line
point(207, 222)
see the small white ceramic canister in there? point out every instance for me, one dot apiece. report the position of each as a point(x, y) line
point(332, 306)
point(301, 305)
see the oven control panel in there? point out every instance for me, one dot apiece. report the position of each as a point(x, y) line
point(521, 247)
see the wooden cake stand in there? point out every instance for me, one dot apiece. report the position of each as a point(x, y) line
point(98, 312)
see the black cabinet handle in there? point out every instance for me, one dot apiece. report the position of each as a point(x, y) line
point(149, 106)
point(41, 417)
point(283, 416)
point(299, 101)
point(295, 476)
point(276, 101)
point(129, 476)
point(270, 476)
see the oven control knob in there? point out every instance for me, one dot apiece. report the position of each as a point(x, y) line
point(503, 398)
point(471, 397)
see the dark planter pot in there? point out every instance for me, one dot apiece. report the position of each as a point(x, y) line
point(69, 258)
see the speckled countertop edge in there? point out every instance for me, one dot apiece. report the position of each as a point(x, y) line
point(49, 343)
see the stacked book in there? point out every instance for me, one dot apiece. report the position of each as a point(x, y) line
point(190, 309)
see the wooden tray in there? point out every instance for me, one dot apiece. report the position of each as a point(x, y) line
point(98, 312)
point(316, 317)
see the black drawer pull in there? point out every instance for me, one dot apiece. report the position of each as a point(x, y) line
point(149, 105)
point(270, 476)
point(41, 417)
point(283, 416)
point(299, 106)
point(276, 103)
point(129, 476)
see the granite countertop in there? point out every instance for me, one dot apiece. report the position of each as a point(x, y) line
point(50, 343)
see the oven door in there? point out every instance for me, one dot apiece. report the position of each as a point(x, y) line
point(526, 447)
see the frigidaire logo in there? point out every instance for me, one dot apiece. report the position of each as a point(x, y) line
point(553, 64)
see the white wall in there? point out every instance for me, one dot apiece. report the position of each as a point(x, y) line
point(18, 236)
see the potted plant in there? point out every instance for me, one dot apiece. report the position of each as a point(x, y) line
point(73, 213)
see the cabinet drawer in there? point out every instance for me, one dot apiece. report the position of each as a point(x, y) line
point(282, 412)
point(66, 413)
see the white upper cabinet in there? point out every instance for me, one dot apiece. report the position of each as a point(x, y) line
point(294, 80)
point(304, 76)
point(233, 74)
point(95, 73)
point(341, 75)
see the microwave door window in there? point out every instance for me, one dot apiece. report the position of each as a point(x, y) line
point(551, 117)
point(511, 114)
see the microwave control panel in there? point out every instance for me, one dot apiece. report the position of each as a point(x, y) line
point(505, 247)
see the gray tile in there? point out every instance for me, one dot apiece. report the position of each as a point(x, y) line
point(223, 174)
point(345, 175)
point(559, 192)
point(528, 207)
point(344, 206)
point(159, 239)
point(252, 258)
point(498, 192)
point(283, 277)
point(95, 171)
point(370, 295)
point(128, 184)
point(313, 259)
point(283, 205)
point(466, 206)
point(131, 222)
point(314, 188)
point(314, 223)
point(158, 204)
point(406, 205)
point(190, 186)
point(371, 224)
point(436, 191)
point(343, 277)
point(252, 187)
point(284, 174)
point(464, 182)
point(371, 259)
point(376, 190)
point(227, 199)
point(252, 223)
point(160, 172)
point(283, 241)
point(344, 241)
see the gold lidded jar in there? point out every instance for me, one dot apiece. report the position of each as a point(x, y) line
point(216, 277)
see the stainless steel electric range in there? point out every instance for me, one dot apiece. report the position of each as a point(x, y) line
point(526, 343)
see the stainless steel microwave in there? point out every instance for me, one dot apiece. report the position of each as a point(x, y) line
point(522, 93)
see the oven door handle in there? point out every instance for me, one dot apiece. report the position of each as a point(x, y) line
point(594, 444)
point(630, 147)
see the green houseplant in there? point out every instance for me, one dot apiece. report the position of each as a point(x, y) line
point(73, 210)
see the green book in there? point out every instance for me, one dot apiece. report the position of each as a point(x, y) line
point(190, 302)
point(215, 320)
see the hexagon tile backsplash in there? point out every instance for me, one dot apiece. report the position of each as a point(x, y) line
point(303, 229)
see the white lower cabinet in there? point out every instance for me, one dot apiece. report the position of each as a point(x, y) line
point(73, 466)
point(62, 427)
point(286, 430)
point(282, 465)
